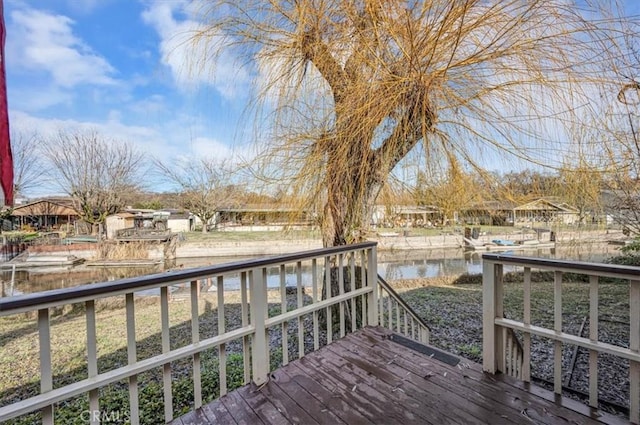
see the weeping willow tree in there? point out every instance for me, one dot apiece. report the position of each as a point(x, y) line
point(450, 191)
point(347, 89)
point(622, 197)
point(582, 184)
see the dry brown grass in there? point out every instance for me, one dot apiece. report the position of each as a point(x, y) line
point(122, 251)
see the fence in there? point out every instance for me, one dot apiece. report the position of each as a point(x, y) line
point(501, 352)
point(251, 310)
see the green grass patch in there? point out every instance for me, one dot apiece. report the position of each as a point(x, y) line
point(454, 311)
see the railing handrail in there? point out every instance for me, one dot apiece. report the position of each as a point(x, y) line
point(53, 297)
point(498, 352)
point(402, 302)
point(346, 311)
point(596, 269)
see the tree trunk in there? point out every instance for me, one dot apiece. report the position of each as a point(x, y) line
point(205, 222)
point(346, 220)
point(356, 173)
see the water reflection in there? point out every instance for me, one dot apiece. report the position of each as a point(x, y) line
point(436, 263)
point(43, 279)
point(391, 265)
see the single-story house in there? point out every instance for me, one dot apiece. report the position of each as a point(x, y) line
point(51, 214)
point(545, 211)
point(489, 213)
point(256, 215)
point(539, 211)
point(406, 216)
point(176, 220)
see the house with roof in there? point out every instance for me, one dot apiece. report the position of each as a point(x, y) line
point(50, 214)
point(544, 211)
point(175, 221)
point(489, 213)
point(537, 212)
point(259, 217)
point(406, 216)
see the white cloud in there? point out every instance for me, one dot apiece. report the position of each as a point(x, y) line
point(35, 98)
point(190, 60)
point(147, 139)
point(210, 148)
point(46, 42)
point(164, 141)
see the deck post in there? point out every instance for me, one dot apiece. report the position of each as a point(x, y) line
point(634, 345)
point(491, 280)
point(46, 374)
point(372, 281)
point(258, 307)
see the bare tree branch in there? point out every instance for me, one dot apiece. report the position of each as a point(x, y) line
point(29, 171)
point(204, 184)
point(96, 171)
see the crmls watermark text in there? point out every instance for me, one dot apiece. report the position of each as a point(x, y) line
point(103, 417)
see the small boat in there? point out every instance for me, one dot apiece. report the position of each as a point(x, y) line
point(42, 260)
point(506, 245)
point(504, 242)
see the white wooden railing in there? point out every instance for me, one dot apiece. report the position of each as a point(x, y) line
point(280, 294)
point(499, 351)
point(395, 314)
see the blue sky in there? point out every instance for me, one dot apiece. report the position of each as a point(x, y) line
point(121, 67)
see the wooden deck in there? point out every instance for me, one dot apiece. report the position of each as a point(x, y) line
point(376, 377)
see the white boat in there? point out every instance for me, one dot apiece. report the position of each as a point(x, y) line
point(506, 245)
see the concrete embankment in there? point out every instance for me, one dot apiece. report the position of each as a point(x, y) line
point(276, 247)
point(386, 243)
point(242, 248)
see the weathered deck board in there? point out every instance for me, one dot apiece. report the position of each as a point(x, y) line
point(366, 378)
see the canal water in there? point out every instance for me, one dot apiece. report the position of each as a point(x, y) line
point(391, 265)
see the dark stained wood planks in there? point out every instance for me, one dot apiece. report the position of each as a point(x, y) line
point(367, 378)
